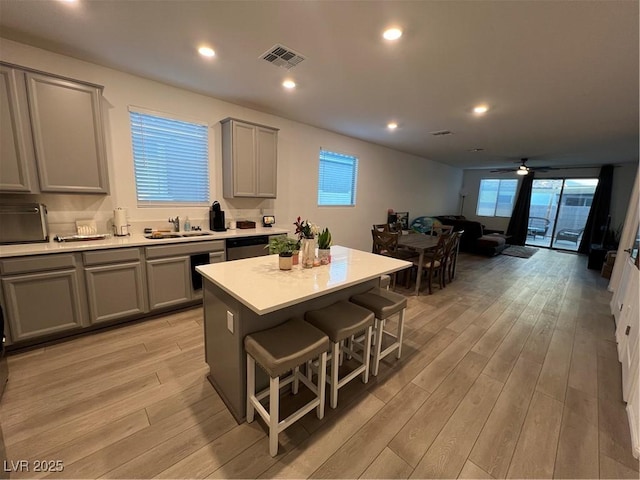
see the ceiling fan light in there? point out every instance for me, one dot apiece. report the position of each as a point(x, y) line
point(522, 171)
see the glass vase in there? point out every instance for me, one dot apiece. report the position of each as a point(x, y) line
point(308, 252)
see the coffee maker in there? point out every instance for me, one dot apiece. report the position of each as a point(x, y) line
point(216, 218)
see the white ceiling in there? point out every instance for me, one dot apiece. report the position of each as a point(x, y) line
point(560, 77)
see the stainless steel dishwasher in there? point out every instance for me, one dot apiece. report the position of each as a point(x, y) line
point(247, 247)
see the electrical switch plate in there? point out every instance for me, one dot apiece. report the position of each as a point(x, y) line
point(230, 321)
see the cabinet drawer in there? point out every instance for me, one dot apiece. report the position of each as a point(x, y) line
point(37, 263)
point(177, 250)
point(117, 255)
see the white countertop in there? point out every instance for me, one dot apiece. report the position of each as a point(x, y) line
point(264, 288)
point(134, 240)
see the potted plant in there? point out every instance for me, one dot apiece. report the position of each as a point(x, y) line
point(324, 244)
point(284, 247)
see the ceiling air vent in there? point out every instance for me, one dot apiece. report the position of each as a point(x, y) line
point(441, 133)
point(282, 56)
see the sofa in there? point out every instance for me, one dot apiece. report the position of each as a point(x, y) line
point(475, 238)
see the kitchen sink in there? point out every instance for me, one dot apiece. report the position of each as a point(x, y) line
point(163, 235)
point(196, 234)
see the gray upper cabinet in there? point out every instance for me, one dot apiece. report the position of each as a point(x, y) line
point(249, 159)
point(68, 136)
point(52, 134)
point(17, 160)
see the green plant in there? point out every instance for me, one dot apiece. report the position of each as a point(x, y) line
point(324, 239)
point(282, 245)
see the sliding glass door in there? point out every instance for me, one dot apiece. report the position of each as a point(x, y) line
point(558, 212)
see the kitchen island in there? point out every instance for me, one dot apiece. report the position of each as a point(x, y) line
point(253, 294)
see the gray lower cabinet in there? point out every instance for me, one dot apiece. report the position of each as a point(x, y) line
point(52, 134)
point(115, 284)
point(170, 271)
point(42, 302)
point(169, 281)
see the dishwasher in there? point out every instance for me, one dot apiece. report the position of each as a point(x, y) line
point(247, 247)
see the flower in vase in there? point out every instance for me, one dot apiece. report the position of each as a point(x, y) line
point(305, 229)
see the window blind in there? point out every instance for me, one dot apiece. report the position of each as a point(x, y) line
point(496, 197)
point(337, 179)
point(171, 160)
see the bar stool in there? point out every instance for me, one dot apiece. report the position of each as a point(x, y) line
point(383, 303)
point(279, 350)
point(341, 321)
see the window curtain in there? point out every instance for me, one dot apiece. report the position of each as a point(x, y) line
point(519, 222)
point(595, 228)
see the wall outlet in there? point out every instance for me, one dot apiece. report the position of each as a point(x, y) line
point(229, 321)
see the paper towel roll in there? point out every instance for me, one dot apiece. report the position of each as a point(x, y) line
point(120, 222)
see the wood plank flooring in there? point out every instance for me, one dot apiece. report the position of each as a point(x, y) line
point(510, 371)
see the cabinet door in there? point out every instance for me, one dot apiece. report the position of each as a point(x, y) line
point(244, 160)
point(267, 159)
point(169, 281)
point(42, 303)
point(68, 136)
point(17, 161)
point(115, 291)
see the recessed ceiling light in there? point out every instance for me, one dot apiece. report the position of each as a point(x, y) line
point(206, 52)
point(68, 1)
point(289, 84)
point(392, 125)
point(392, 33)
point(480, 109)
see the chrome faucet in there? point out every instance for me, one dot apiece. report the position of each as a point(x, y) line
point(176, 223)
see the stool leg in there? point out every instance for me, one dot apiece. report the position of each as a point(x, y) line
point(322, 383)
point(251, 386)
point(274, 397)
point(309, 370)
point(296, 381)
point(335, 353)
point(376, 352)
point(400, 332)
point(341, 352)
point(367, 355)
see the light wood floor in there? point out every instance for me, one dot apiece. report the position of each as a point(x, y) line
point(510, 371)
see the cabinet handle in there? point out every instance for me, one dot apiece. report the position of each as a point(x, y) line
point(627, 330)
point(628, 250)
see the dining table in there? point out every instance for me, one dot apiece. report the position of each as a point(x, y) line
point(419, 243)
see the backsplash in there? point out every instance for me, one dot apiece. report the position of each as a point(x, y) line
point(64, 210)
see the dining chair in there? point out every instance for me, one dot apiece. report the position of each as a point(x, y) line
point(433, 263)
point(440, 229)
point(381, 227)
point(386, 243)
point(451, 257)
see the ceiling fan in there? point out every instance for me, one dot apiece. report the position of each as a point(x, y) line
point(522, 169)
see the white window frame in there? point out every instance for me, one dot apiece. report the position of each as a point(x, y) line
point(495, 205)
point(199, 177)
point(321, 179)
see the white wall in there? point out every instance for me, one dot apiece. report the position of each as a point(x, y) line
point(387, 178)
point(623, 177)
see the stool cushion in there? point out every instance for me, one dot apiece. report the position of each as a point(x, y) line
point(340, 320)
point(282, 348)
point(383, 303)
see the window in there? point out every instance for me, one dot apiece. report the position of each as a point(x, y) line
point(496, 197)
point(171, 160)
point(337, 178)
